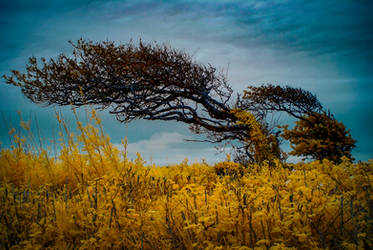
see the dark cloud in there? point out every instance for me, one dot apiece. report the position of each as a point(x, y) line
point(339, 30)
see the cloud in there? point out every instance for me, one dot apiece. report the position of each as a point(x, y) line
point(170, 148)
point(318, 27)
point(159, 143)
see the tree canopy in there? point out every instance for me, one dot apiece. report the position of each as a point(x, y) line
point(157, 82)
point(320, 136)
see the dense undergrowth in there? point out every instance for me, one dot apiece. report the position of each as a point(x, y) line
point(91, 196)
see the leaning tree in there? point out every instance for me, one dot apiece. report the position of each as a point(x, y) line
point(156, 82)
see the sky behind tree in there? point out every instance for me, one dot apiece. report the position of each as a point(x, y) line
point(323, 46)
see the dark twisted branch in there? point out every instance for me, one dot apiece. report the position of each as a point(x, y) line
point(270, 98)
point(146, 81)
point(156, 82)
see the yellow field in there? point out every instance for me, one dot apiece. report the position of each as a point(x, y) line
point(92, 197)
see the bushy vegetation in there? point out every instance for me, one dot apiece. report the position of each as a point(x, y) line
point(91, 196)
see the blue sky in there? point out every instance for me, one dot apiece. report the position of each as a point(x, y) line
point(323, 46)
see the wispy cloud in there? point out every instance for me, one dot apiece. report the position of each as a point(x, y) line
point(170, 148)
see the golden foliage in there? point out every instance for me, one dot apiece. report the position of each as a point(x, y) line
point(263, 145)
point(320, 136)
point(92, 197)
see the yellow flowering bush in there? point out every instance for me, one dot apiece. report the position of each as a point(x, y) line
point(263, 145)
point(91, 196)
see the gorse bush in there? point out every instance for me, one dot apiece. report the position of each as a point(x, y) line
point(91, 196)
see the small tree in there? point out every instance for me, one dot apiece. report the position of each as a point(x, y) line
point(156, 82)
point(320, 136)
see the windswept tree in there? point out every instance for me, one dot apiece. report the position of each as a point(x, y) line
point(155, 82)
point(316, 134)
